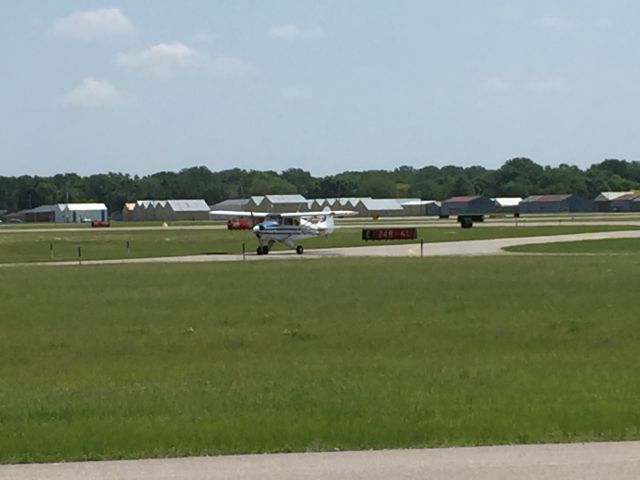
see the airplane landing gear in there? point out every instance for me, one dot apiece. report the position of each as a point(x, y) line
point(299, 250)
point(262, 250)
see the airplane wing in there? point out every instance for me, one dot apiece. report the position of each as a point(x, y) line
point(237, 214)
point(321, 213)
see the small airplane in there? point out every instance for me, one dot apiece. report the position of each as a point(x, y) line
point(288, 227)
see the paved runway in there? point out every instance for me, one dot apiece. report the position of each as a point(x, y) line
point(591, 461)
point(470, 247)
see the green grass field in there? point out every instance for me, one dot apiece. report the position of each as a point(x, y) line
point(114, 224)
point(184, 359)
point(619, 246)
point(100, 244)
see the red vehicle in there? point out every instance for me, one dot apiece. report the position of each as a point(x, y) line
point(100, 223)
point(244, 223)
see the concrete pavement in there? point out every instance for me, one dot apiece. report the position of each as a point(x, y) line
point(470, 247)
point(590, 461)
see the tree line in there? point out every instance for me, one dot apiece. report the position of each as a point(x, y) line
point(518, 177)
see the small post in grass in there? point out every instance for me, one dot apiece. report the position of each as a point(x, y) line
point(79, 255)
point(421, 247)
point(244, 249)
point(51, 250)
point(128, 247)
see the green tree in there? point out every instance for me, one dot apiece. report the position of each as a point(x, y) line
point(519, 177)
point(305, 184)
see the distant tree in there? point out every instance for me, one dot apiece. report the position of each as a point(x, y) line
point(427, 184)
point(519, 177)
point(516, 177)
point(404, 174)
point(376, 183)
point(263, 183)
point(564, 179)
point(46, 192)
point(333, 187)
point(305, 184)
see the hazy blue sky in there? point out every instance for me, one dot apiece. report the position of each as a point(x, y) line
point(142, 86)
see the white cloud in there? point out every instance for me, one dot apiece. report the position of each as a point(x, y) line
point(551, 22)
point(166, 58)
point(496, 84)
point(91, 93)
point(161, 58)
point(93, 24)
point(547, 86)
point(291, 31)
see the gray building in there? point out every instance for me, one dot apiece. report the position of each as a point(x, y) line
point(165, 210)
point(562, 203)
point(233, 204)
point(625, 203)
point(429, 208)
point(80, 212)
point(603, 201)
point(468, 204)
point(507, 204)
point(379, 207)
point(43, 213)
point(284, 203)
point(195, 209)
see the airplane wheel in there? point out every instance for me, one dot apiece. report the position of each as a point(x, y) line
point(265, 249)
point(259, 250)
point(299, 250)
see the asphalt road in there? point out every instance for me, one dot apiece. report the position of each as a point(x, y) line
point(591, 461)
point(470, 247)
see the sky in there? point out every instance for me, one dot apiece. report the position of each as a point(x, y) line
point(327, 85)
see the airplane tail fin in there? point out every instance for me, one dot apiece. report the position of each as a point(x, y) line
point(327, 224)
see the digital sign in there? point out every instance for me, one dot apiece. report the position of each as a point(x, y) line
point(389, 233)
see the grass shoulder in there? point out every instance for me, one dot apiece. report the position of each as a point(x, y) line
point(169, 360)
point(619, 246)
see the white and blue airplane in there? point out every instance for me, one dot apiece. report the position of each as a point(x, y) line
point(288, 227)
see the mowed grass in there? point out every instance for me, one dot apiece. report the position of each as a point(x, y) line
point(97, 244)
point(113, 224)
point(609, 246)
point(188, 359)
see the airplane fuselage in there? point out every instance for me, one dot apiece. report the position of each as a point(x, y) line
point(276, 231)
point(288, 227)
